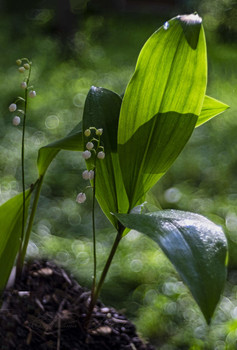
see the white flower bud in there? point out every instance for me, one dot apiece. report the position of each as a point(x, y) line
point(32, 93)
point(87, 132)
point(85, 175)
point(86, 154)
point(81, 197)
point(12, 107)
point(18, 62)
point(21, 69)
point(26, 66)
point(16, 120)
point(23, 85)
point(90, 145)
point(101, 155)
point(91, 174)
point(99, 132)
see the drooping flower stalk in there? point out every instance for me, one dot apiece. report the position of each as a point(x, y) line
point(99, 154)
point(16, 121)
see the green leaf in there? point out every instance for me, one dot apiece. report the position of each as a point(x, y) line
point(196, 247)
point(72, 142)
point(101, 110)
point(211, 108)
point(10, 233)
point(161, 103)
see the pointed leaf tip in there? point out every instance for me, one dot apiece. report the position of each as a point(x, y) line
point(196, 247)
point(191, 19)
point(191, 25)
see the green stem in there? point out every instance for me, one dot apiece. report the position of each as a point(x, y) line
point(20, 257)
point(104, 273)
point(32, 216)
point(94, 237)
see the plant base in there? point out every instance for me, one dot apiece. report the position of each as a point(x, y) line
point(47, 310)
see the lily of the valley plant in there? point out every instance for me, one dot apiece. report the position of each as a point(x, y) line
point(128, 144)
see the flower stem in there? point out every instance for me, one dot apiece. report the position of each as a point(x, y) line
point(104, 273)
point(20, 256)
point(39, 183)
point(94, 237)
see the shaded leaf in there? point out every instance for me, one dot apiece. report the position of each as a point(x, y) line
point(161, 104)
point(101, 110)
point(196, 247)
point(72, 142)
point(10, 233)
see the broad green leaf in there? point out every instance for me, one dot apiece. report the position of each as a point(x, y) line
point(101, 110)
point(10, 233)
point(72, 142)
point(196, 247)
point(161, 103)
point(211, 108)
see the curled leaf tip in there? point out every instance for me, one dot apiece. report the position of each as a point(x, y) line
point(191, 19)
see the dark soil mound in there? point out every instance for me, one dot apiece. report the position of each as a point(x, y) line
point(47, 310)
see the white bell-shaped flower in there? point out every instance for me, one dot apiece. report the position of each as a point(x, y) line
point(12, 107)
point(32, 93)
point(86, 154)
point(16, 120)
point(90, 145)
point(101, 155)
point(81, 197)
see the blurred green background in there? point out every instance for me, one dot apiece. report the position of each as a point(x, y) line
point(80, 43)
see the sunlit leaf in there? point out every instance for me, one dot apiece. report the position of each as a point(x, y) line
point(72, 142)
point(196, 247)
point(211, 108)
point(10, 233)
point(161, 103)
point(101, 110)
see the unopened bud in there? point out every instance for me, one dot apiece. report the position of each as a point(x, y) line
point(85, 175)
point(16, 120)
point(89, 145)
point(18, 62)
point(81, 197)
point(23, 85)
point(32, 93)
point(12, 107)
point(26, 66)
point(87, 132)
point(86, 154)
point(99, 132)
point(91, 174)
point(21, 69)
point(101, 155)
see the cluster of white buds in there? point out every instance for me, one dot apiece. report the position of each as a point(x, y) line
point(97, 150)
point(98, 132)
point(24, 65)
point(16, 120)
point(88, 175)
point(90, 145)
